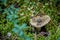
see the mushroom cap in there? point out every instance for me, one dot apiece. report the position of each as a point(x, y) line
point(39, 21)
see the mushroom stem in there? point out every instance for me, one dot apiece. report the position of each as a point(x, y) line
point(37, 29)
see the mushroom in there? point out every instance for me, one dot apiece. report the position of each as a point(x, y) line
point(39, 21)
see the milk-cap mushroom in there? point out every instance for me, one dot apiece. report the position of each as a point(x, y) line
point(39, 21)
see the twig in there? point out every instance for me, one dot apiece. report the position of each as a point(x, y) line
point(35, 37)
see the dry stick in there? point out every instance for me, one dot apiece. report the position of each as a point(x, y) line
point(35, 37)
point(53, 23)
point(24, 17)
point(55, 26)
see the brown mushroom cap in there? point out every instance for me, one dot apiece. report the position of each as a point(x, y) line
point(39, 21)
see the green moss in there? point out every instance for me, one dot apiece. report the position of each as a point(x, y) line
point(50, 9)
